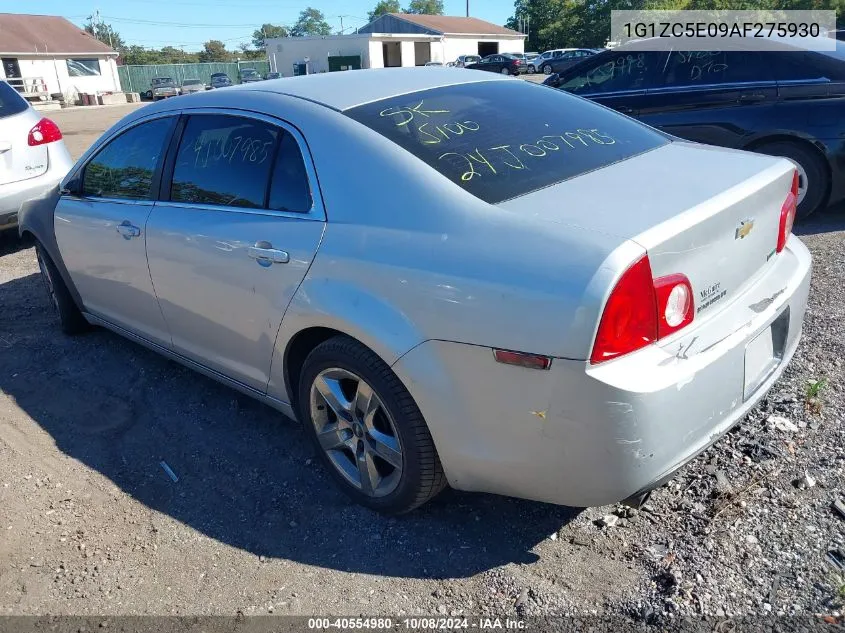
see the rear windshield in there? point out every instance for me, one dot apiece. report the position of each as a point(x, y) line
point(10, 101)
point(479, 136)
point(164, 81)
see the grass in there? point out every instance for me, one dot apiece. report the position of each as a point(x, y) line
point(813, 400)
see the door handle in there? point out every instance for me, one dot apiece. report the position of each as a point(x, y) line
point(264, 253)
point(128, 230)
point(625, 110)
point(752, 98)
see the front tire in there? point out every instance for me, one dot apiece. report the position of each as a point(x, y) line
point(367, 429)
point(813, 179)
point(71, 319)
point(547, 70)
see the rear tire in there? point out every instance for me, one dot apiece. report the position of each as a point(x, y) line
point(505, 71)
point(547, 70)
point(71, 319)
point(368, 414)
point(814, 182)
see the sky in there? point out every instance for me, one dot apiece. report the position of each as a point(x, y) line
point(188, 23)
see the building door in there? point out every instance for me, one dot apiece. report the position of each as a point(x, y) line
point(422, 53)
point(488, 48)
point(392, 54)
point(12, 70)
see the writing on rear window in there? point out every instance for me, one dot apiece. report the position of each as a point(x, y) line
point(499, 140)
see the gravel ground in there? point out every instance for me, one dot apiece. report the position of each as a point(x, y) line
point(92, 524)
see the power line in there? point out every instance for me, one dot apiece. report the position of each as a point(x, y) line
point(181, 24)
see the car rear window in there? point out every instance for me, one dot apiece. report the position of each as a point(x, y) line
point(479, 136)
point(10, 101)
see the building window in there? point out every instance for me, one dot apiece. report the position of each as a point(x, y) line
point(83, 67)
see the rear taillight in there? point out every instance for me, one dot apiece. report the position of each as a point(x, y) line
point(629, 320)
point(787, 214)
point(45, 131)
point(674, 304)
point(641, 310)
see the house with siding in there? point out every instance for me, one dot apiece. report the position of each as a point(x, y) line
point(393, 39)
point(42, 55)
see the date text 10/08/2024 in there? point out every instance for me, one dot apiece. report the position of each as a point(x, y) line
point(512, 155)
point(420, 623)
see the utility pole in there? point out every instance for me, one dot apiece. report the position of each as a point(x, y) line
point(341, 23)
point(467, 8)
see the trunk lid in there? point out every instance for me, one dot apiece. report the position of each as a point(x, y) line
point(710, 213)
point(19, 161)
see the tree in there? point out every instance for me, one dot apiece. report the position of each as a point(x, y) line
point(266, 32)
point(105, 33)
point(384, 6)
point(311, 22)
point(426, 7)
point(214, 51)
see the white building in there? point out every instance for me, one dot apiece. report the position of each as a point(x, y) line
point(393, 39)
point(44, 54)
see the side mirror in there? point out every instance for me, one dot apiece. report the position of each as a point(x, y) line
point(72, 188)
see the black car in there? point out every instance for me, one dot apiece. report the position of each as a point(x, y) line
point(504, 63)
point(787, 103)
point(565, 60)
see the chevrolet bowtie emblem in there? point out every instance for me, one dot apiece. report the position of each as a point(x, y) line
point(743, 229)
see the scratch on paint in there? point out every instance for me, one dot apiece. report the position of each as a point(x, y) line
point(539, 414)
point(621, 441)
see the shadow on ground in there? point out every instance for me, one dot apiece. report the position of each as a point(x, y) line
point(247, 476)
point(830, 219)
point(10, 242)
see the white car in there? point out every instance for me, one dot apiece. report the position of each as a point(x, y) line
point(33, 157)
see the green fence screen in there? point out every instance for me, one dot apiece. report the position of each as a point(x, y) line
point(138, 78)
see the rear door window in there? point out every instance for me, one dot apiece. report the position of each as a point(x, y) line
point(224, 160)
point(289, 190)
point(469, 134)
point(704, 68)
point(10, 101)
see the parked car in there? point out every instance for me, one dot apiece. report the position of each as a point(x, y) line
point(785, 103)
point(33, 156)
point(604, 351)
point(192, 85)
point(220, 80)
point(162, 87)
point(530, 58)
point(503, 63)
point(548, 56)
point(273, 76)
point(464, 60)
point(563, 61)
point(434, 63)
point(249, 75)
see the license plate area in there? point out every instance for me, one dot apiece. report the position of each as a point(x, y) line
point(764, 353)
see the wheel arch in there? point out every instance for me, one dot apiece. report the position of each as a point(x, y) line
point(323, 309)
point(783, 137)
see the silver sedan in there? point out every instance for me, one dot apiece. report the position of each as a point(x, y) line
point(566, 308)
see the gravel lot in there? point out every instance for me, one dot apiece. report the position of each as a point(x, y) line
point(92, 524)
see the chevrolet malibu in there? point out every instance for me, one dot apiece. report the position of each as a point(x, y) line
point(567, 308)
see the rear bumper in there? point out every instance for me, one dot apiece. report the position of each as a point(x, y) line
point(14, 196)
point(585, 435)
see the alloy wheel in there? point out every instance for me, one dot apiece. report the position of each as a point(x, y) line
point(356, 431)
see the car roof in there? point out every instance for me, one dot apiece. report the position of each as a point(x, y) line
point(343, 90)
